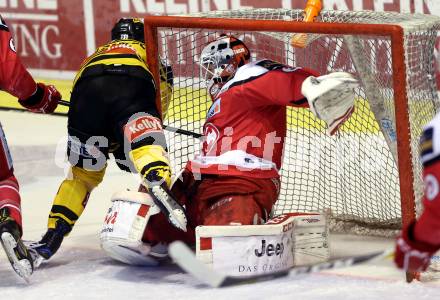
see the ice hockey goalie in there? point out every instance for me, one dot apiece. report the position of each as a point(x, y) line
point(230, 188)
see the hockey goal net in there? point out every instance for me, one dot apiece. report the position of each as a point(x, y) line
point(368, 176)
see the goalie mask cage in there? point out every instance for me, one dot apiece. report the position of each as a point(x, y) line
point(368, 176)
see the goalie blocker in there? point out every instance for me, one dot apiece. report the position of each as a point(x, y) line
point(284, 241)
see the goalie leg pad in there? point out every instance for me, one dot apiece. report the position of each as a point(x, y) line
point(283, 242)
point(136, 254)
point(124, 226)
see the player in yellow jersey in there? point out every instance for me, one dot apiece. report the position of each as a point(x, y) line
point(112, 110)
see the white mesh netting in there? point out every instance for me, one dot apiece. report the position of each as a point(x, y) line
point(352, 175)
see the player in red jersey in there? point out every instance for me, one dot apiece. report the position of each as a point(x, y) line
point(421, 239)
point(235, 180)
point(36, 97)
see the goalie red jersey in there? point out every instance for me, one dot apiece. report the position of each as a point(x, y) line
point(247, 138)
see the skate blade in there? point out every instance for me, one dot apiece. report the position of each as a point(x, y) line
point(38, 260)
point(178, 219)
point(22, 267)
point(168, 205)
point(36, 257)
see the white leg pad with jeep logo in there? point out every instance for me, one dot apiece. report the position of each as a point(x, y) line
point(124, 226)
point(283, 242)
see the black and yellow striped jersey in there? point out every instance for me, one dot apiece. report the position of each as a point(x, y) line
point(117, 53)
point(131, 56)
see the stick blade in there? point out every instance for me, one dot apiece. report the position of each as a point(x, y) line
point(303, 40)
point(185, 258)
point(299, 40)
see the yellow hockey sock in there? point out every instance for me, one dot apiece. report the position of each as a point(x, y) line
point(72, 196)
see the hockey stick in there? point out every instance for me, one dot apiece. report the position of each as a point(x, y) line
point(64, 103)
point(185, 258)
point(166, 127)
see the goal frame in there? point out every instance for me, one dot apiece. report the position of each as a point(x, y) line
point(394, 32)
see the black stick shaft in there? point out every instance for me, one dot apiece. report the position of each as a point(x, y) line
point(64, 103)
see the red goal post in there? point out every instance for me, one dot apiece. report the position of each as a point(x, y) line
point(399, 73)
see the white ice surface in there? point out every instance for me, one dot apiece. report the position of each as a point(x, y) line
point(80, 270)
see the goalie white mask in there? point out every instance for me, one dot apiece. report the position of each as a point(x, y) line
point(220, 60)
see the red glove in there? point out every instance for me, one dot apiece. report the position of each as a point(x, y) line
point(412, 255)
point(44, 100)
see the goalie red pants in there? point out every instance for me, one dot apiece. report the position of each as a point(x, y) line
point(9, 193)
point(216, 200)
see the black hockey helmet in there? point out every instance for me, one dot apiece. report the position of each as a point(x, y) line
point(128, 28)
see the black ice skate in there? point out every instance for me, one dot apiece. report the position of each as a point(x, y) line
point(51, 241)
point(17, 253)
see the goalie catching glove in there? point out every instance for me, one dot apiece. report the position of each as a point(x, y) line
point(331, 98)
